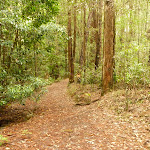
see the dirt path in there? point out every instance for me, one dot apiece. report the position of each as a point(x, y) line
point(59, 125)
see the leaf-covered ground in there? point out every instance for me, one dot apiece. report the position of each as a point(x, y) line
point(56, 123)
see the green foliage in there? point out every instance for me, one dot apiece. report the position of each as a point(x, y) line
point(137, 73)
point(41, 10)
point(28, 32)
point(3, 74)
point(132, 65)
point(18, 92)
point(92, 76)
point(1, 88)
point(38, 82)
point(36, 45)
point(21, 92)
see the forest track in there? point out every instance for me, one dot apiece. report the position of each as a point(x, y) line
point(57, 124)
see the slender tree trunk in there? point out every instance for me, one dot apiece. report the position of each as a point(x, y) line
point(109, 43)
point(147, 13)
point(66, 62)
point(75, 30)
point(138, 14)
point(57, 67)
point(81, 43)
point(84, 37)
point(131, 29)
point(19, 51)
point(70, 52)
point(4, 56)
point(89, 21)
point(2, 51)
point(35, 61)
point(0, 54)
point(84, 42)
point(97, 17)
point(1, 36)
point(12, 49)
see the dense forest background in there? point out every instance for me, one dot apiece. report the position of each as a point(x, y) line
point(46, 40)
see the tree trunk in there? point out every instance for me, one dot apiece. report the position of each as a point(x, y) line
point(84, 37)
point(147, 14)
point(12, 49)
point(109, 43)
point(35, 60)
point(75, 30)
point(131, 29)
point(89, 21)
point(70, 52)
point(2, 50)
point(4, 56)
point(1, 36)
point(84, 42)
point(97, 18)
point(66, 61)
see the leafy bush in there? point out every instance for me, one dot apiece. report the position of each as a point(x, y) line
point(93, 76)
point(137, 74)
point(3, 74)
point(133, 74)
point(131, 65)
point(1, 88)
point(20, 92)
point(38, 82)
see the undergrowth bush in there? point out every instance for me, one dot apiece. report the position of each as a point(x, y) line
point(136, 74)
point(33, 87)
point(91, 76)
point(131, 65)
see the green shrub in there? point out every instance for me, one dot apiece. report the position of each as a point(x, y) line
point(33, 87)
point(38, 82)
point(131, 64)
point(3, 74)
point(134, 74)
point(93, 76)
point(1, 88)
point(137, 74)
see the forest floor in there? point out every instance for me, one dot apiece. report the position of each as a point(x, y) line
point(56, 123)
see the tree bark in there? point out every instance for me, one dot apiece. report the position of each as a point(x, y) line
point(35, 60)
point(2, 50)
point(147, 14)
point(131, 29)
point(109, 45)
point(89, 21)
point(66, 61)
point(97, 18)
point(75, 30)
point(4, 56)
point(84, 41)
point(84, 37)
point(1, 36)
point(12, 49)
point(70, 52)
